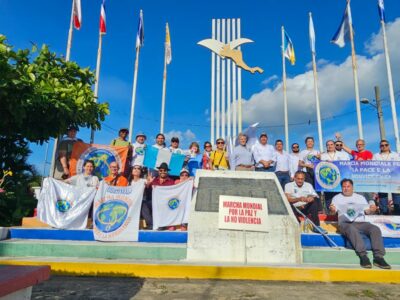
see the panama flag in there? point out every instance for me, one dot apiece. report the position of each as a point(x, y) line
point(381, 9)
point(288, 49)
point(103, 18)
point(140, 32)
point(77, 14)
point(153, 157)
point(343, 33)
point(168, 52)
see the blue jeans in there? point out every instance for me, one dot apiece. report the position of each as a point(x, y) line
point(262, 169)
point(283, 178)
point(384, 203)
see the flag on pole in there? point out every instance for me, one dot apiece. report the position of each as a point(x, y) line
point(342, 35)
point(288, 49)
point(140, 32)
point(77, 14)
point(381, 9)
point(103, 18)
point(168, 53)
point(312, 35)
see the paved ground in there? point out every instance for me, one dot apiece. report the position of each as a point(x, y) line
point(60, 287)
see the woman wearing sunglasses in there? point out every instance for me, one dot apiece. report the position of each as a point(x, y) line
point(219, 157)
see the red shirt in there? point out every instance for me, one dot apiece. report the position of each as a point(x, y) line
point(365, 155)
point(167, 181)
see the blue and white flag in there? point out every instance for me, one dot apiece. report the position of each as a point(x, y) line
point(64, 206)
point(381, 10)
point(288, 49)
point(342, 35)
point(153, 157)
point(312, 34)
point(140, 32)
point(116, 212)
point(171, 204)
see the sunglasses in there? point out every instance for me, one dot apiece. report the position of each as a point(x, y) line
point(207, 146)
point(339, 145)
point(162, 171)
point(384, 145)
point(295, 147)
point(221, 143)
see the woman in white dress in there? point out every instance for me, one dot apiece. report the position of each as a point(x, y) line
point(86, 179)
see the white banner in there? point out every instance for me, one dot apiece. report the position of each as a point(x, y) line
point(389, 225)
point(64, 206)
point(171, 204)
point(242, 213)
point(116, 212)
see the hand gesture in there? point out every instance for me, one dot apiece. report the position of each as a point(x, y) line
point(332, 208)
point(338, 136)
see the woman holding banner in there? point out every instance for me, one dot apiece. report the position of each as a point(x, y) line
point(86, 179)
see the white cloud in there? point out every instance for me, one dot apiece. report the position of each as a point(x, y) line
point(320, 63)
point(185, 137)
point(336, 87)
point(270, 79)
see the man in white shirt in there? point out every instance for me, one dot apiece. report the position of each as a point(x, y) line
point(387, 155)
point(294, 160)
point(138, 149)
point(282, 168)
point(351, 208)
point(264, 155)
point(307, 159)
point(174, 148)
point(339, 148)
point(302, 195)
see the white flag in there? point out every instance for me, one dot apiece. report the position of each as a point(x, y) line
point(116, 212)
point(64, 206)
point(168, 51)
point(312, 35)
point(171, 204)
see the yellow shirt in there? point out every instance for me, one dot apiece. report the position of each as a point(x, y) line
point(219, 160)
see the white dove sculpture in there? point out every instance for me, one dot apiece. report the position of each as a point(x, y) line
point(228, 51)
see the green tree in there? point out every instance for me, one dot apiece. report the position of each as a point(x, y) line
point(40, 96)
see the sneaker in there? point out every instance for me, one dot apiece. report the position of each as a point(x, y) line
point(365, 262)
point(381, 263)
point(315, 230)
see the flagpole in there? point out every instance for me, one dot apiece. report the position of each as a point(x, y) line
point(164, 87)
point(96, 85)
point(390, 83)
point(134, 94)
point(355, 76)
point(314, 64)
point(239, 79)
point(285, 104)
point(212, 133)
point(67, 57)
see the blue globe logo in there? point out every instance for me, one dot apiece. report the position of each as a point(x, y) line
point(312, 158)
point(63, 205)
point(351, 212)
point(392, 226)
point(328, 175)
point(139, 151)
point(102, 159)
point(111, 215)
point(173, 203)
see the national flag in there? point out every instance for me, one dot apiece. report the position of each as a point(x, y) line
point(140, 32)
point(64, 206)
point(153, 157)
point(168, 52)
point(381, 9)
point(288, 49)
point(171, 204)
point(77, 14)
point(103, 18)
point(342, 35)
point(312, 34)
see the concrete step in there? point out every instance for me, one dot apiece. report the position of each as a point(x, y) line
point(86, 249)
point(343, 256)
point(204, 270)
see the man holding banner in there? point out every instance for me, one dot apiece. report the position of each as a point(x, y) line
point(115, 179)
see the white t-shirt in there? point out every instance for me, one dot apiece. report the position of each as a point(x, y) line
point(294, 163)
point(282, 162)
point(263, 152)
point(141, 181)
point(333, 156)
point(138, 154)
point(176, 150)
point(392, 156)
point(350, 208)
point(82, 181)
point(309, 157)
point(300, 191)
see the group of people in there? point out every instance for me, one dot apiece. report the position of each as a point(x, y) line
point(295, 172)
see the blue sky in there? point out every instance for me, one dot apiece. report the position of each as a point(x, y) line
point(188, 86)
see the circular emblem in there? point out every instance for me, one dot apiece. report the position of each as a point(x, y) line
point(392, 226)
point(111, 215)
point(327, 175)
point(139, 150)
point(312, 158)
point(351, 212)
point(102, 159)
point(63, 205)
point(173, 203)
